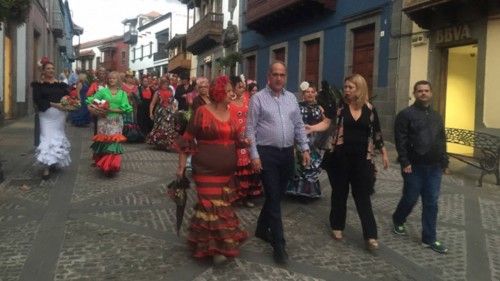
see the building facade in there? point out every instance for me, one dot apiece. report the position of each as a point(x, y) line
point(213, 36)
point(326, 40)
point(455, 46)
point(111, 53)
point(147, 36)
point(47, 31)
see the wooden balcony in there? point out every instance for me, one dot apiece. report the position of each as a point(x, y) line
point(435, 14)
point(262, 14)
point(179, 63)
point(130, 37)
point(205, 34)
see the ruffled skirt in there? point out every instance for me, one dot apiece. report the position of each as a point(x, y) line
point(247, 181)
point(215, 228)
point(54, 146)
point(107, 146)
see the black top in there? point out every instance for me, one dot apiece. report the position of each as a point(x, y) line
point(311, 113)
point(179, 91)
point(420, 136)
point(356, 132)
point(44, 93)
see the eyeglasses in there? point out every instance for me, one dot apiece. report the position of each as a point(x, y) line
point(278, 75)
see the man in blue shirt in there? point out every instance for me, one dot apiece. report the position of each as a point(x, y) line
point(274, 125)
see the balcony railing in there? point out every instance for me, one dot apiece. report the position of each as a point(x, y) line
point(421, 4)
point(160, 55)
point(130, 37)
point(261, 14)
point(179, 62)
point(205, 34)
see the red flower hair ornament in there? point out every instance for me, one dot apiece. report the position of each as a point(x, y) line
point(43, 61)
point(218, 90)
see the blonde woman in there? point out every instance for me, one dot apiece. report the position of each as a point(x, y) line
point(107, 146)
point(355, 138)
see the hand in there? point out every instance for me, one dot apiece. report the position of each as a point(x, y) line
point(257, 165)
point(306, 158)
point(152, 116)
point(308, 129)
point(385, 160)
point(407, 169)
point(180, 172)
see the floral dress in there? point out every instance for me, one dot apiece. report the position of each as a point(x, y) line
point(163, 135)
point(131, 129)
point(306, 179)
point(248, 182)
point(107, 148)
point(214, 228)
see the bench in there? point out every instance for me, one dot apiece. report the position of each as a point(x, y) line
point(486, 151)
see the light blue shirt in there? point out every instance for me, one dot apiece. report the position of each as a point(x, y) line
point(274, 121)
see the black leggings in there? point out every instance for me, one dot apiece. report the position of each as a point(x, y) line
point(353, 169)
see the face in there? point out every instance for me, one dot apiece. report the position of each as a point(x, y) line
point(277, 77)
point(229, 93)
point(240, 88)
point(350, 91)
point(129, 79)
point(49, 71)
point(253, 91)
point(164, 86)
point(203, 88)
point(101, 74)
point(310, 95)
point(112, 80)
point(423, 94)
point(145, 82)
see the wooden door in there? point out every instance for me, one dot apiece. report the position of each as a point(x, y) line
point(363, 54)
point(311, 70)
point(250, 71)
point(7, 79)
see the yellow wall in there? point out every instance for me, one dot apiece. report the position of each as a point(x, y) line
point(491, 117)
point(461, 92)
point(419, 64)
point(7, 80)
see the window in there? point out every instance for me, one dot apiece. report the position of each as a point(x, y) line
point(312, 61)
point(150, 49)
point(98, 61)
point(124, 58)
point(133, 54)
point(250, 67)
point(280, 54)
point(142, 51)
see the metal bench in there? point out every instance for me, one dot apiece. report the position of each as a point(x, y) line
point(486, 150)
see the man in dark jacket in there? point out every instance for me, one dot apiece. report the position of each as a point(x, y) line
point(421, 146)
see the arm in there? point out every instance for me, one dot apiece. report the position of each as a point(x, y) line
point(444, 157)
point(181, 167)
point(251, 130)
point(320, 127)
point(300, 136)
point(401, 130)
point(42, 104)
point(152, 105)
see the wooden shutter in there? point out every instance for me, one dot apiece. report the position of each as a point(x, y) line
point(280, 54)
point(363, 54)
point(250, 71)
point(312, 61)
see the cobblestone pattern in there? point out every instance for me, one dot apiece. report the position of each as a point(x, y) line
point(94, 252)
point(144, 197)
point(492, 242)
point(244, 270)
point(15, 246)
point(490, 213)
point(33, 189)
point(92, 183)
point(451, 266)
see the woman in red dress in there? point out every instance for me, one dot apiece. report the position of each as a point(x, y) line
point(247, 180)
point(211, 137)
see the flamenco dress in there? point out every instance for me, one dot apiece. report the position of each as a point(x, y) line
point(214, 227)
point(247, 181)
point(54, 147)
point(107, 148)
point(163, 135)
point(81, 117)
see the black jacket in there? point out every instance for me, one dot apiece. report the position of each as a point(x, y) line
point(420, 137)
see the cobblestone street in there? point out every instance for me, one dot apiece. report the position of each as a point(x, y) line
point(80, 225)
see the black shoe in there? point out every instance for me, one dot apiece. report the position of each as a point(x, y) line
point(264, 235)
point(280, 255)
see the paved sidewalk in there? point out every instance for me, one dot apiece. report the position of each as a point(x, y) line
point(80, 225)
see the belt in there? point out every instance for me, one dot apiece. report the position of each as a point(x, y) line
point(270, 147)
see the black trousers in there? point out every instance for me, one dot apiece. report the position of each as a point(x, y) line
point(351, 169)
point(277, 169)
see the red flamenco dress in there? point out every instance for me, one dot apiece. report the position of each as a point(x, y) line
point(107, 148)
point(214, 227)
point(247, 181)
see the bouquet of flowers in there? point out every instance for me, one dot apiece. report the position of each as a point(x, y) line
point(100, 104)
point(70, 103)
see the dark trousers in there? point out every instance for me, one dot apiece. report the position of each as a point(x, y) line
point(351, 169)
point(425, 181)
point(277, 169)
point(36, 136)
point(94, 119)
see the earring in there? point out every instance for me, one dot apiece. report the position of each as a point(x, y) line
point(233, 96)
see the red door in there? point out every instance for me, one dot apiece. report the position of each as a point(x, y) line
point(280, 54)
point(364, 46)
point(251, 68)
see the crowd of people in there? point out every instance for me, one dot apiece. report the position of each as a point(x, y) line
point(243, 141)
